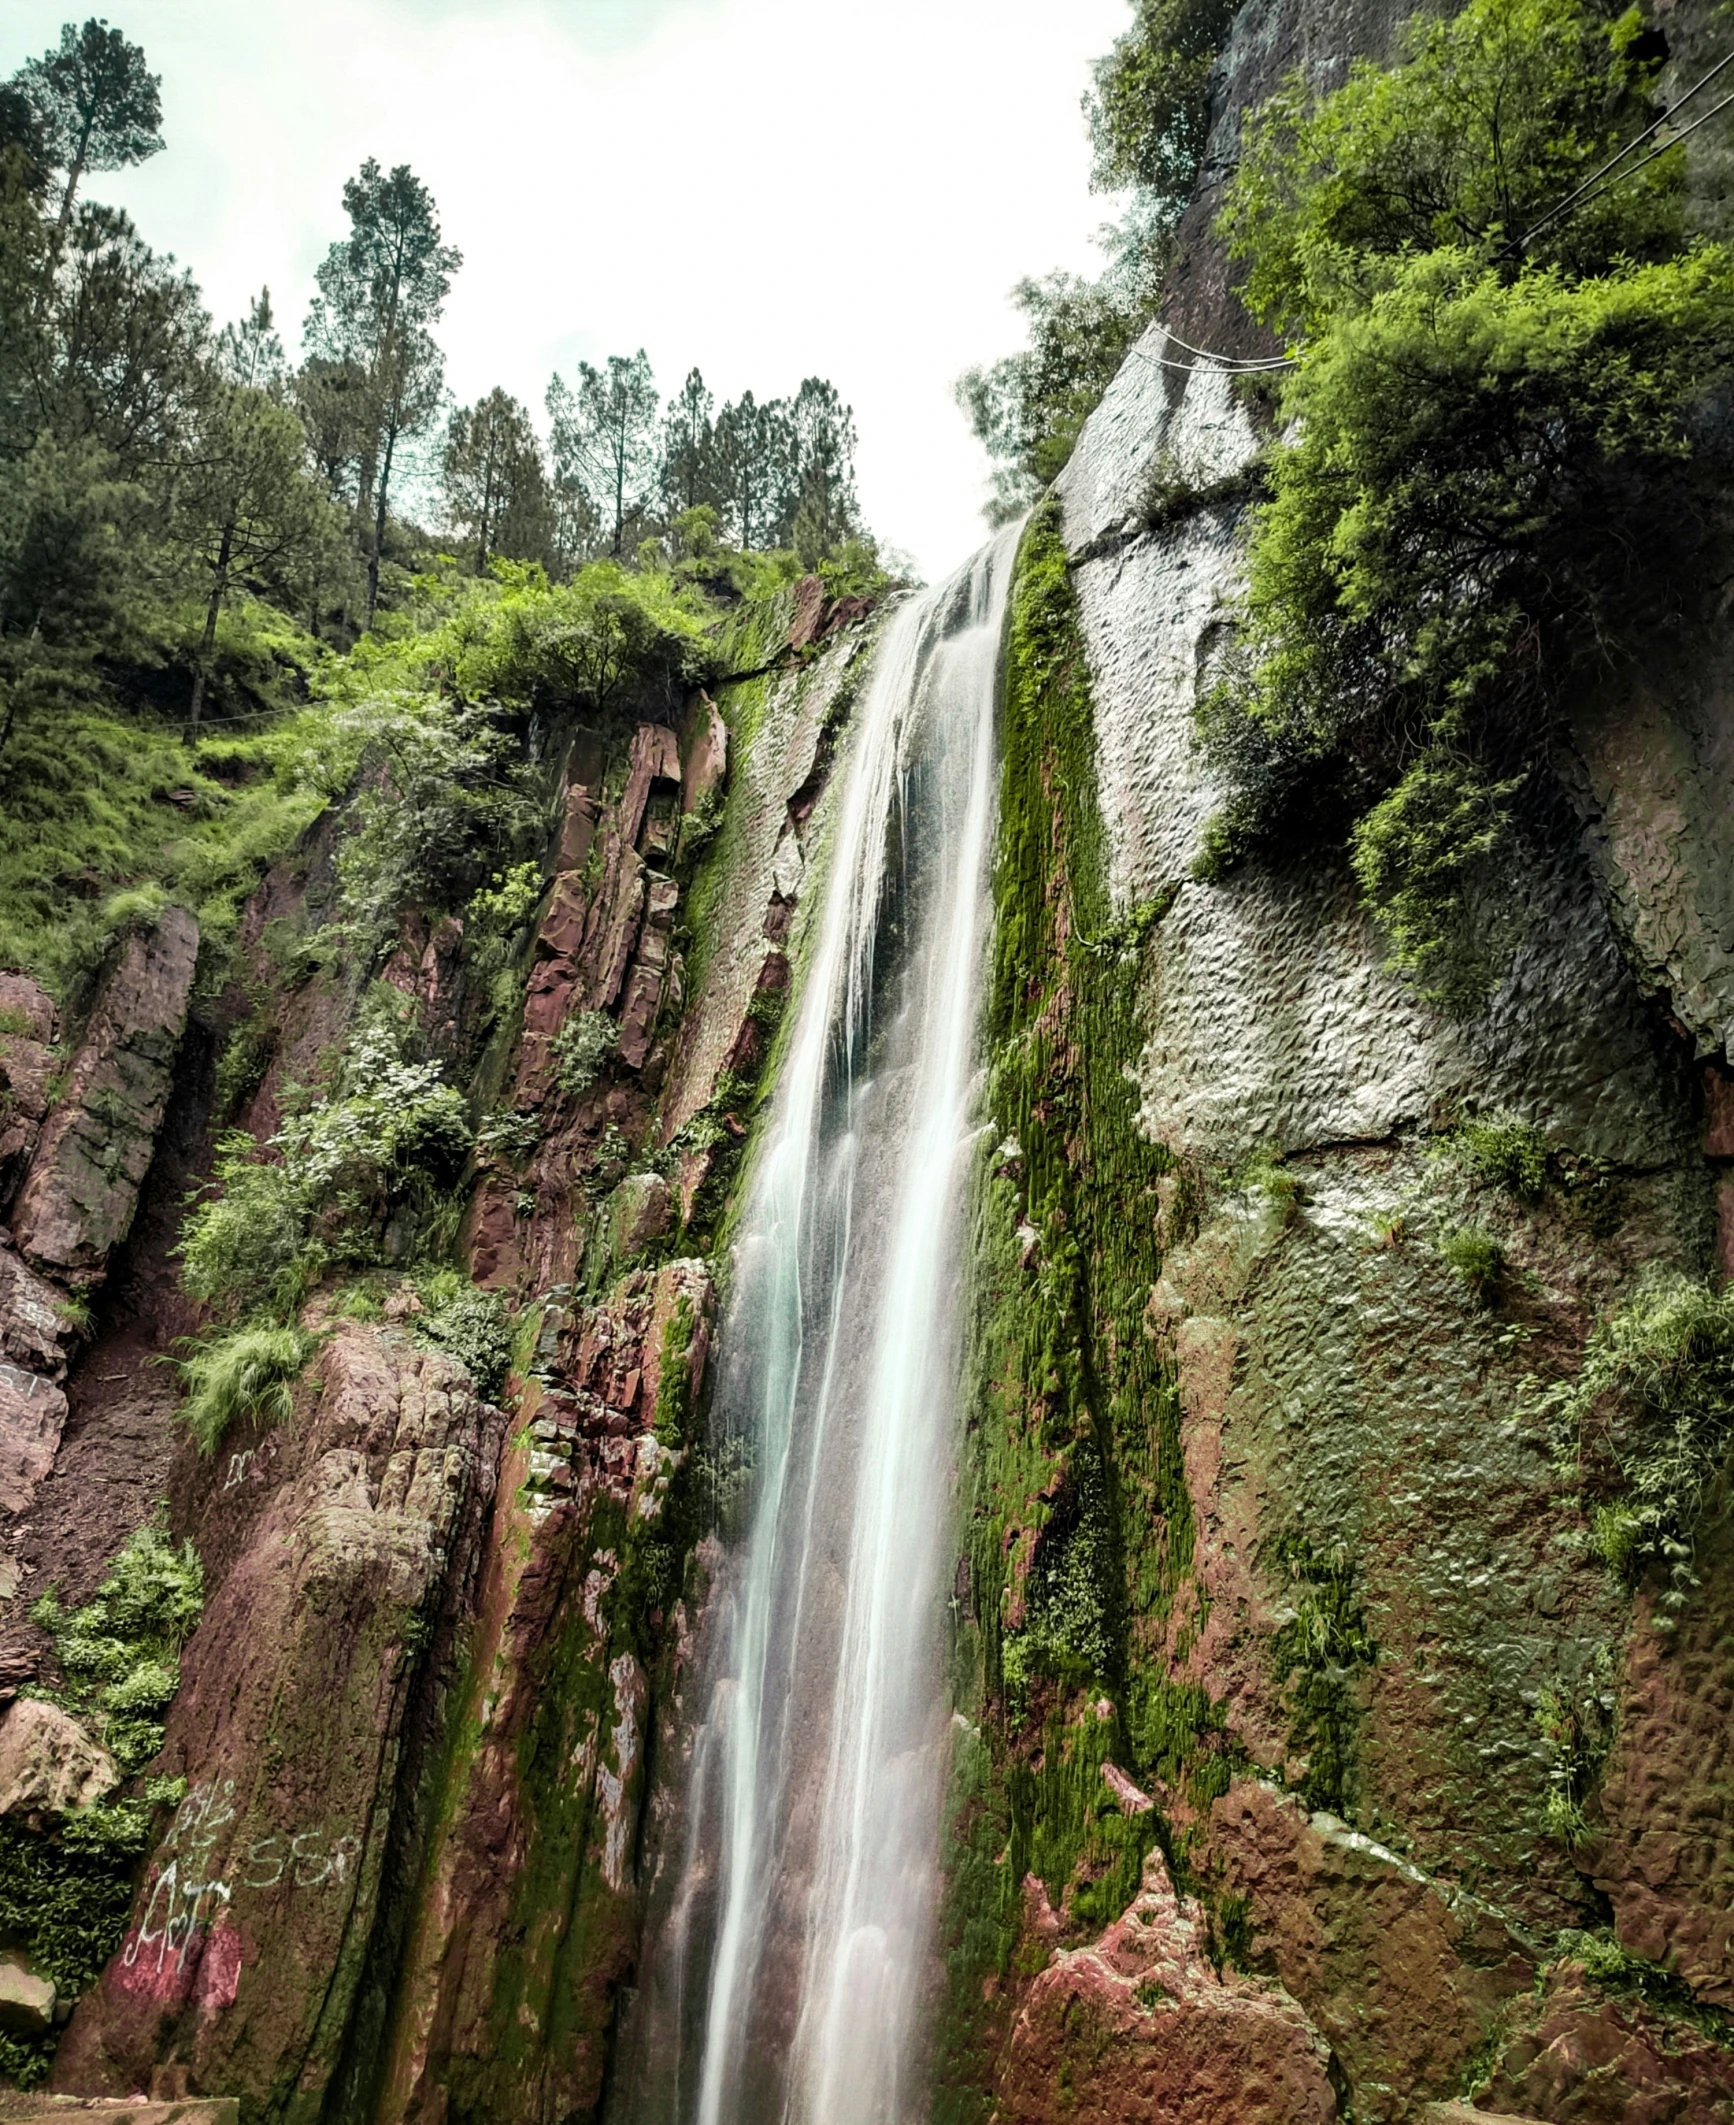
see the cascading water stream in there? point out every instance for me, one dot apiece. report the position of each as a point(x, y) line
point(799, 1944)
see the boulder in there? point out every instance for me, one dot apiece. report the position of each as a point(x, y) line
point(96, 1147)
point(26, 2000)
point(49, 1765)
point(268, 1920)
point(1141, 2029)
point(31, 1327)
point(639, 1211)
point(27, 1011)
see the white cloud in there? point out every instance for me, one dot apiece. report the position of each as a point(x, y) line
point(768, 188)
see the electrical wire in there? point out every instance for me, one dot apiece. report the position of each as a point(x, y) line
point(1594, 177)
point(1240, 365)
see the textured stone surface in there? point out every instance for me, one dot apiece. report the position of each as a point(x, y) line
point(1657, 764)
point(343, 1549)
point(32, 1417)
point(527, 1921)
point(1404, 1977)
point(1583, 2057)
point(1140, 2027)
point(82, 1189)
point(1662, 1848)
point(26, 2000)
point(779, 769)
point(28, 1063)
point(48, 1764)
point(31, 1324)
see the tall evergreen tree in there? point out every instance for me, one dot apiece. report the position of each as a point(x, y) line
point(380, 291)
point(605, 435)
point(496, 490)
point(821, 509)
point(754, 455)
point(245, 503)
point(96, 103)
point(688, 449)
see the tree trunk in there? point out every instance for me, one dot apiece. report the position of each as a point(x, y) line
point(208, 641)
point(379, 528)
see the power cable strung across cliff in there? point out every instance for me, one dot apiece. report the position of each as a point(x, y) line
point(1241, 365)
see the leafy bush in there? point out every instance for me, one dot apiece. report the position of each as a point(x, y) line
point(582, 1045)
point(121, 1650)
point(1478, 486)
point(1506, 1152)
point(1657, 1382)
point(472, 1324)
point(245, 1243)
point(1474, 1254)
point(391, 1132)
point(244, 1376)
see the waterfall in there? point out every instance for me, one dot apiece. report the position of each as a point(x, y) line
point(798, 1949)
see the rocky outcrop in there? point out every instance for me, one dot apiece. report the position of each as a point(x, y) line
point(1142, 2027)
point(528, 1920)
point(48, 1764)
point(1580, 2056)
point(82, 1189)
point(344, 1549)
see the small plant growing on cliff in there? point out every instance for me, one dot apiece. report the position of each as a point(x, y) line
point(1656, 1392)
point(1474, 1255)
point(1506, 1153)
point(243, 1377)
point(469, 1323)
point(583, 1044)
point(1575, 1727)
point(121, 1651)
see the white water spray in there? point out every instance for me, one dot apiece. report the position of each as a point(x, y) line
point(824, 1744)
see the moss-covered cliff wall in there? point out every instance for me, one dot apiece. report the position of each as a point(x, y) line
point(1326, 1755)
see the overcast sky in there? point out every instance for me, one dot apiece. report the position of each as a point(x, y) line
point(769, 188)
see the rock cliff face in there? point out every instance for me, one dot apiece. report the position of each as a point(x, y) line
point(1311, 1765)
point(1274, 1464)
point(439, 1644)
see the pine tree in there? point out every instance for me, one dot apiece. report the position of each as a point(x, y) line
point(380, 290)
point(605, 435)
point(96, 104)
point(496, 490)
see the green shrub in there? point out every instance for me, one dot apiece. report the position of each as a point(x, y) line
point(1507, 1153)
point(1314, 1655)
point(582, 1045)
point(121, 1651)
point(472, 1324)
point(243, 1244)
point(242, 1377)
point(1657, 1383)
point(1478, 486)
point(1475, 1255)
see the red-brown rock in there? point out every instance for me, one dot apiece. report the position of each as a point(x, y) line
point(312, 1699)
point(82, 1189)
point(1140, 2029)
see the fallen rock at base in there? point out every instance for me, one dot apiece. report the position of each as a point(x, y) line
point(1402, 1974)
point(26, 2000)
point(82, 1189)
point(1585, 2057)
point(116, 2110)
point(1467, 2114)
point(1140, 2028)
point(49, 1765)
